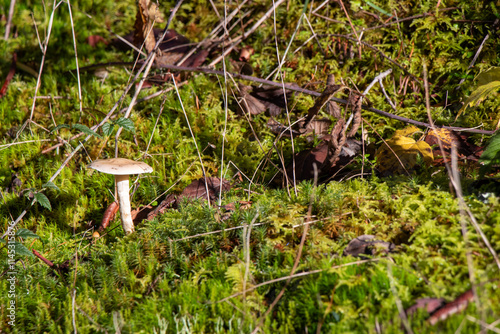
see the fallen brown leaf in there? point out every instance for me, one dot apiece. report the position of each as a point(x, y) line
point(368, 245)
point(458, 305)
point(147, 15)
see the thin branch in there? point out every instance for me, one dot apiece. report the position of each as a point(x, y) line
point(9, 19)
point(314, 93)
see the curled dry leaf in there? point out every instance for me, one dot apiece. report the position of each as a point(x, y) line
point(355, 101)
point(440, 310)
point(256, 100)
point(147, 15)
point(318, 127)
point(198, 189)
point(109, 215)
point(247, 103)
point(281, 130)
point(141, 213)
point(322, 101)
point(368, 245)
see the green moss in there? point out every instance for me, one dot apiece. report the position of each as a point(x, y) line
point(171, 275)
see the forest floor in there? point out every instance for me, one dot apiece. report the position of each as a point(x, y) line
point(318, 167)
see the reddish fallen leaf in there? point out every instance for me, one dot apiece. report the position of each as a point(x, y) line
point(196, 59)
point(10, 75)
point(245, 205)
point(458, 305)
point(109, 215)
point(93, 40)
point(256, 100)
point(305, 161)
point(428, 304)
point(229, 207)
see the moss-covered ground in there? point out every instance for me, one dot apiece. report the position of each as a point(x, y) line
point(172, 275)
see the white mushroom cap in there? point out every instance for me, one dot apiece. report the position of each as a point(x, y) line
point(121, 169)
point(120, 166)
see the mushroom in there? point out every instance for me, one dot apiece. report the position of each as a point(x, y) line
point(121, 169)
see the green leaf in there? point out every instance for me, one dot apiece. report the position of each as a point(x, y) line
point(107, 128)
point(126, 124)
point(488, 81)
point(492, 152)
point(60, 126)
point(85, 129)
point(481, 93)
point(51, 185)
point(25, 233)
point(490, 75)
point(21, 250)
point(491, 155)
point(43, 200)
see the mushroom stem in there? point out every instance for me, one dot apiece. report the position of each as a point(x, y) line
point(122, 187)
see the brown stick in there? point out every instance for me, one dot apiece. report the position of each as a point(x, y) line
point(47, 262)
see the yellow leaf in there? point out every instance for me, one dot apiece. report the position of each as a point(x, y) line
point(400, 152)
point(406, 132)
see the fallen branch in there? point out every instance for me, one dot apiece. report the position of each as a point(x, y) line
point(300, 90)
